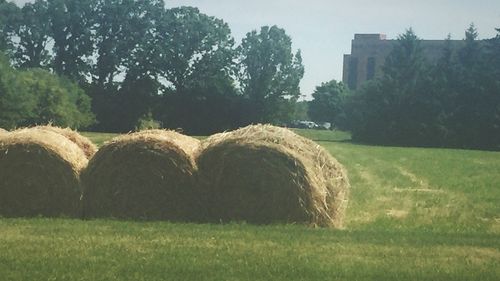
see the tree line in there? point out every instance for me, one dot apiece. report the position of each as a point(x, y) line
point(116, 65)
point(141, 63)
point(451, 102)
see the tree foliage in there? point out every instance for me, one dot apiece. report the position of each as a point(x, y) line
point(194, 48)
point(141, 61)
point(270, 74)
point(57, 100)
point(16, 104)
point(37, 96)
point(9, 20)
point(144, 64)
point(197, 72)
point(71, 25)
point(34, 35)
point(327, 103)
point(454, 102)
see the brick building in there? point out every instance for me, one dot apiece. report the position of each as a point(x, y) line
point(368, 53)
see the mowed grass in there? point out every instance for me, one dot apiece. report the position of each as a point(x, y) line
point(414, 214)
point(99, 138)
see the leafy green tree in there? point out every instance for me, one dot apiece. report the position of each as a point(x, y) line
point(195, 48)
point(327, 103)
point(126, 42)
point(10, 16)
point(71, 24)
point(134, 99)
point(143, 58)
point(196, 68)
point(126, 38)
point(112, 19)
point(147, 122)
point(57, 100)
point(37, 96)
point(270, 74)
point(34, 35)
point(16, 104)
point(302, 110)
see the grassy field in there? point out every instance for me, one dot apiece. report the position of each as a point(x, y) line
point(414, 214)
point(99, 138)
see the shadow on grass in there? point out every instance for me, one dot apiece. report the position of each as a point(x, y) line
point(418, 238)
point(279, 233)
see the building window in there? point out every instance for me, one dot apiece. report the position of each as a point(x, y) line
point(370, 68)
point(353, 73)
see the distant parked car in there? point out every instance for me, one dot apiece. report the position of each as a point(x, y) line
point(325, 126)
point(301, 124)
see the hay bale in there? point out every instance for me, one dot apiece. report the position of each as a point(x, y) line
point(3, 132)
point(84, 143)
point(266, 174)
point(146, 175)
point(39, 174)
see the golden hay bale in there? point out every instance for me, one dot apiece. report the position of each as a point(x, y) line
point(84, 143)
point(3, 131)
point(39, 174)
point(146, 175)
point(267, 174)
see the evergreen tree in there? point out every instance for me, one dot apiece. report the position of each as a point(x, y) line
point(394, 109)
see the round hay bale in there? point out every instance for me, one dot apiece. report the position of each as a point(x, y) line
point(146, 175)
point(265, 174)
point(39, 174)
point(84, 143)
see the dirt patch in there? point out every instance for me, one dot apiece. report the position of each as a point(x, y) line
point(398, 214)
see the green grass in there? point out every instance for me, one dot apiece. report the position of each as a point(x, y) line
point(414, 214)
point(99, 138)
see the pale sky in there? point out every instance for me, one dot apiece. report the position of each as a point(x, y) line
point(323, 29)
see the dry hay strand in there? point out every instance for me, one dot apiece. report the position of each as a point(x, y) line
point(88, 147)
point(3, 132)
point(146, 175)
point(265, 174)
point(39, 174)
